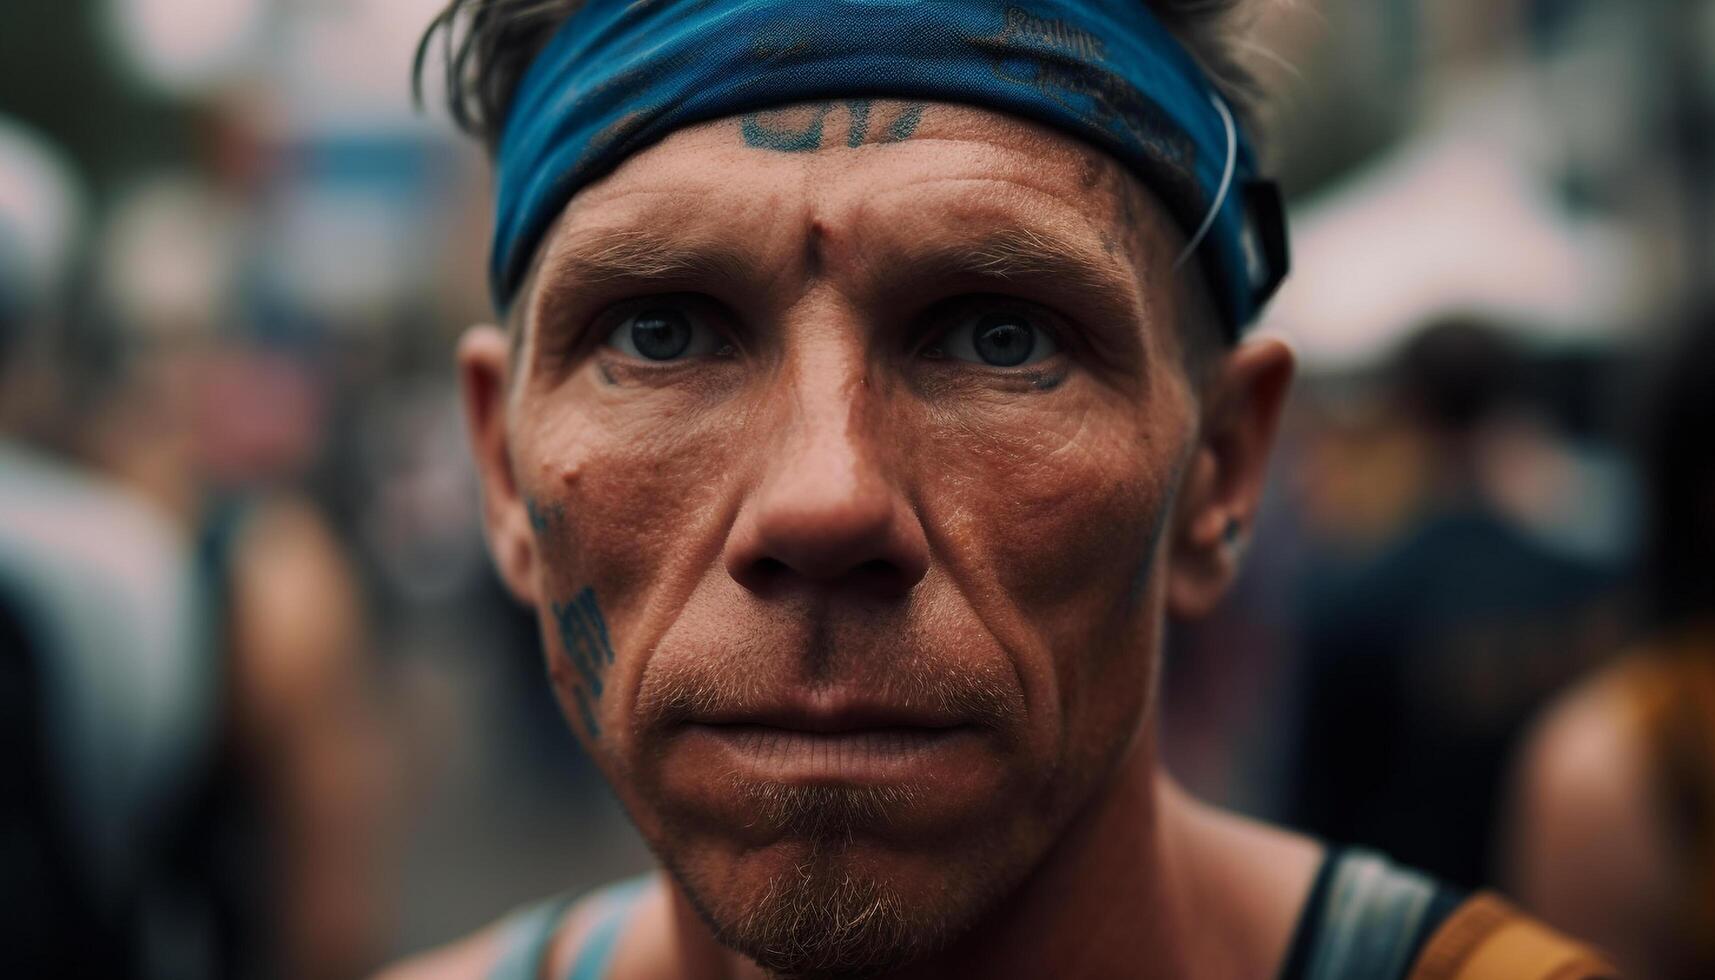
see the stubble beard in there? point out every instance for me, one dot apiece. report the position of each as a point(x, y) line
point(831, 914)
point(828, 907)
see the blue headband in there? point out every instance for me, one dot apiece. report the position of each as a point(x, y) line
point(621, 74)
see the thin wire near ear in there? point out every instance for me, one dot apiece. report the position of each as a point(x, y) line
point(1226, 183)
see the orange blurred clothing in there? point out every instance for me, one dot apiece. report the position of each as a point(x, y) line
point(1669, 693)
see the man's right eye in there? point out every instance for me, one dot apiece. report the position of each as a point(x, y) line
point(667, 332)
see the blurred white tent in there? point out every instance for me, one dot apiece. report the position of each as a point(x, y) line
point(1457, 219)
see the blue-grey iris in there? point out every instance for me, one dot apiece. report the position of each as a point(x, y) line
point(660, 335)
point(1003, 341)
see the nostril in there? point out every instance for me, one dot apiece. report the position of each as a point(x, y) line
point(878, 577)
point(764, 574)
point(874, 569)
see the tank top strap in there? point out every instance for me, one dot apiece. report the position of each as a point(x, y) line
point(613, 911)
point(529, 932)
point(527, 935)
point(1368, 919)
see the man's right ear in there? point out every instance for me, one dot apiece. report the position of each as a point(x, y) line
point(484, 362)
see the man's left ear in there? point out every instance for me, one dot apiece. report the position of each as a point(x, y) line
point(1223, 484)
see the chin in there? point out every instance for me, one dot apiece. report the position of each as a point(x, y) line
point(838, 903)
point(820, 865)
point(840, 826)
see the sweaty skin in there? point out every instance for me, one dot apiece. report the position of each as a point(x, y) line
point(864, 628)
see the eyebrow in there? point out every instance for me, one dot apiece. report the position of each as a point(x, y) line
point(633, 255)
point(1067, 266)
point(1029, 254)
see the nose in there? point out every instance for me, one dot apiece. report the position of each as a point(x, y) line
point(827, 512)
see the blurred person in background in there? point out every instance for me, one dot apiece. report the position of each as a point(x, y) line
point(854, 455)
point(189, 711)
point(104, 722)
point(1424, 662)
point(1613, 829)
point(219, 431)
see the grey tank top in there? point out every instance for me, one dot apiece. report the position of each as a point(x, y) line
point(1365, 919)
point(530, 931)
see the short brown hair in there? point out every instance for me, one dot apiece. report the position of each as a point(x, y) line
point(488, 44)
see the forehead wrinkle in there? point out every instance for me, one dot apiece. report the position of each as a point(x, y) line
point(1050, 167)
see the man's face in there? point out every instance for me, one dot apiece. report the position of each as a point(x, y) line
point(850, 438)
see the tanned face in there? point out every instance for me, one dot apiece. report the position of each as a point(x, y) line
point(845, 458)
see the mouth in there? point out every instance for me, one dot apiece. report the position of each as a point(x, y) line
point(830, 745)
point(802, 762)
point(855, 755)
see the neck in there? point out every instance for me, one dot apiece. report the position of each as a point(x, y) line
point(1110, 898)
point(1141, 884)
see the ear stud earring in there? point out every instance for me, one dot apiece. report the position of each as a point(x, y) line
point(1230, 533)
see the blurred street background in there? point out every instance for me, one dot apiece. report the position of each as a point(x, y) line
point(245, 258)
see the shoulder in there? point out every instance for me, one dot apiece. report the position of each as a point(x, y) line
point(542, 939)
point(1584, 779)
point(1590, 851)
point(472, 957)
point(1255, 877)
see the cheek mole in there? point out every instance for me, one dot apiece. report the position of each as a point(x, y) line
point(569, 473)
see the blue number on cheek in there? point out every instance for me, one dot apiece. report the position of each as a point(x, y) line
point(584, 637)
point(587, 713)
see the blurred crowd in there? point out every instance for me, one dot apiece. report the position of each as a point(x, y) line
point(268, 712)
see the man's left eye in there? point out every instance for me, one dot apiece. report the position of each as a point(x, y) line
point(1007, 338)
